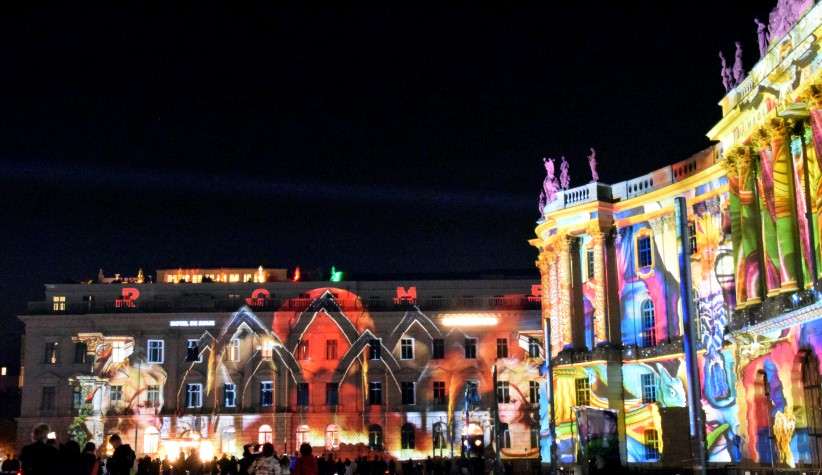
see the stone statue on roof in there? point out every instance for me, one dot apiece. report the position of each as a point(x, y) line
point(564, 177)
point(726, 73)
point(738, 71)
point(592, 162)
point(762, 36)
point(549, 185)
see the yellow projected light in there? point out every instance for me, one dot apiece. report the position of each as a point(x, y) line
point(469, 320)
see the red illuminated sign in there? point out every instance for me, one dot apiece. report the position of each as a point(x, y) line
point(408, 296)
point(258, 298)
point(128, 298)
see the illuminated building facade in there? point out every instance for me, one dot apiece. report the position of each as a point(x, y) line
point(409, 367)
point(729, 239)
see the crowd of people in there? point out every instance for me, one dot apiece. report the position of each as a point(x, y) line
point(45, 457)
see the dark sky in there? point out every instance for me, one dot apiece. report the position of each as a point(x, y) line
point(377, 139)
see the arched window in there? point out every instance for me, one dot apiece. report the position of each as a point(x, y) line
point(302, 435)
point(264, 434)
point(505, 436)
point(375, 437)
point(407, 436)
point(332, 437)
point(648, 335)
point(440, 435)
point(227, 440)
point(813, 405)
point(151, 440)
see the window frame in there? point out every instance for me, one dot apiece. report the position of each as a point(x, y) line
point(647, 311)
point(266, 388)
point(644, 258)
point(190, 393)
point(375, 396)
point(374, 349)
point(48, 398)
point(196, 345)
point(303, 395)
point(161, 350)
point(404, 385)
point(154, 395)
point(438, 349)
point(331, 349)
point(80, 352)
point(406, 344)
point(118, 391)
point(59, 303)
point(230, 388)
point(503, 392)
point(582, 391)
point(471, 348)
point(648, 384)
point(332, 389)
point(502, 348)
point(234, 350)
point(439, 386)
point(534, 347)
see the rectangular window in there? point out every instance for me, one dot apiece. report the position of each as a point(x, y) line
point(156, 351)
point(589, 258)
point(119, 351)
point(648, 388)
point(332, 394)
point(115, 393)
point(502, 347)
point(440, 397)
point(194, 395)
point(302, 394)
point(266, 393)
point(76, 398)
point(230, 395)
point(533, 392)
point(470, 348)
point(47, 399)
point(503, 392)
point(234, 350)
point(193, 354)
point(438, 349)
point(583, 390)
point(651, 445)
point(80, 353)
point(407, 349)
point(302, 350)
point(58, 303)
point(643, 249)
point(331, 349)
point(375, 393)
point(407, 388)
point(692, 237)
point(374, 349)
point(533, 348)
point(50, 356)
point(534, 438)
point(153, 395)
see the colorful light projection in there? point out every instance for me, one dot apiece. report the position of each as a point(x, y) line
point(776, 411)
point(576, 386)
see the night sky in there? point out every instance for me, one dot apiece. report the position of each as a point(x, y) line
point(376, 139)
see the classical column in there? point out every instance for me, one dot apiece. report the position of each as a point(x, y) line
point(784, 205)
point(767, 205)
point(598, 245)
point(563, 302)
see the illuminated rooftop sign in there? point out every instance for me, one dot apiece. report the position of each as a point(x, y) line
point(470, 319)
point(191, 323)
